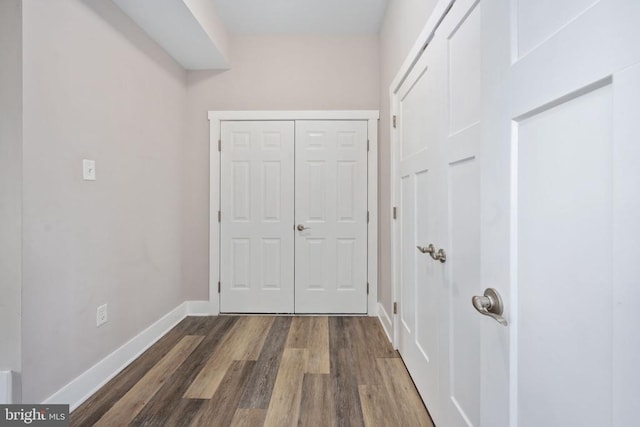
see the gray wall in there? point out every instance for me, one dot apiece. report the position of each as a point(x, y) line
point(403, 21)
point(267, 73)
point(10, 182)
point(96, 87)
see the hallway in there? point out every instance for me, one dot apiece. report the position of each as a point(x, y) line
point(262, 370)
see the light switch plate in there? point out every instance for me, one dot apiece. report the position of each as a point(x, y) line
point(89, 170)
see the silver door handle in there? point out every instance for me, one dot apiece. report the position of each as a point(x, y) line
point(427, 249)
point(490, 305)
point(439, 255)
point(301, 227)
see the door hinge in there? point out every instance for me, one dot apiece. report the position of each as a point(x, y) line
point(367, 288)
point(395, 308)
point(395, 121)
point(367, 145)
point(395, 212)
point(218, 287)
point(219, 145)
point(219, 216)
point(367, 217)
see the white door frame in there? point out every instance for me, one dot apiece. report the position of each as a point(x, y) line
point(215, 117)
point(388, 319)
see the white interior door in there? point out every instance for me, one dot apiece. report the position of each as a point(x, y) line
point(461, 365)
point(256, 236)
point(439, 176)
point(421, 127)
point(560, 205)
point(331, 217)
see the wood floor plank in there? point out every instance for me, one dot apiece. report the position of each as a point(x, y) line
point(257, 391)
point(364, 353)
point(256, 333)
point(243, 342)
point(221, 409)
point(250, 417)
point(316, 402)
point(97, 405)
point(284, 406)
point(400, 390)
point(376, 338)
point(299, 332)
point(183, 411)
point(318, 345)
point(167, 407)
point(133, 401)
point(344, 384)
point(377, 409)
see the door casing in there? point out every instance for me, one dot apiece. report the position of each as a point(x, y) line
point(215, 119)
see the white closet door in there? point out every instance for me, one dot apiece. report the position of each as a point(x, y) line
point(560, 203)
point(421, 216)
point(256, 254)
point(461, 363)
point(331, 210)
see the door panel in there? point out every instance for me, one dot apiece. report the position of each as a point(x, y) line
point(626, 246)
point(256, 257)
point(540, 19)
point(331, 203)
point(463, 382)
point(564, 206)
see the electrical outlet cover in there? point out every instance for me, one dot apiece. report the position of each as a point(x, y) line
point(101, 315)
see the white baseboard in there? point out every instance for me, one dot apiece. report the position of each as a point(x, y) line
point(81, 388)
point(200, 308)
point(6, 388)
point(387, 323)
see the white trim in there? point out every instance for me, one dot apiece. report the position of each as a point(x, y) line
point(372, 231)
point(387, 323)
point(295, 115)
point(436, 17)
point(215, 117)
point(6, 387)
point(395, 199)
point(214, 207)
point(87, 383)
point(200, 308)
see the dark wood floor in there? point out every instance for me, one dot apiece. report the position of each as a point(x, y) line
point(262, 371)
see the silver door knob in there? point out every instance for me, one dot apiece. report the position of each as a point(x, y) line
point(301, 227)
point(490, 305)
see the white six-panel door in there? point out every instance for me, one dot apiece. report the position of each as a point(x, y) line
point(331, 213)
point(276, 175)
point(256, 240)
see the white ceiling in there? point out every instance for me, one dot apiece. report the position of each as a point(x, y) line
point(321, 17)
